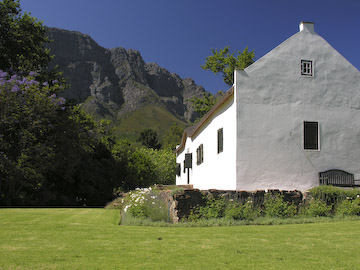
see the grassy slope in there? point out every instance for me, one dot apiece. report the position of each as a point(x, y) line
point(130, 125)
point(90, 239)
point(150, 116)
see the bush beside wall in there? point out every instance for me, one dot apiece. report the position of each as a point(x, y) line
point(204, 204)
point(180, 204)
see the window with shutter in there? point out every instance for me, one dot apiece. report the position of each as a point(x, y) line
point(200, 154)
point(220, 139)
point(188, 160)
point(178, 169)
point(197, 156)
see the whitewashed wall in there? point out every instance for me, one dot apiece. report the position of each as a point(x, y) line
point(274, 99)
point(218, 170)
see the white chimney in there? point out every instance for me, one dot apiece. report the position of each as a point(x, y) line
point(309, 26)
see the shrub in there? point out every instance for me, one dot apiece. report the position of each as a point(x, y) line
point(147, 204)
point(136, 205)
point(275, 206)
point(317, 208)
point(164, 165)
point(239, 211)
point(156, 208)
point(332, 195)
point(235, 211)
point(176, 190)
point(349, 207)
point(336, 200)
point(328, 194)
point(117, 203)
point(143, 167)
point(214, 208)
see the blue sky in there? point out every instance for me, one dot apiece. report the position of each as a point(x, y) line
point(179, 34)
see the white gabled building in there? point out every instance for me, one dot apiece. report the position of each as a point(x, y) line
point(293, 113)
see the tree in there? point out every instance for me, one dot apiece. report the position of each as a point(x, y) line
point(51, 152)
point(31, 121)
point(22, 44)
point(141, 167)
point(22, 40)
point(149, 139)
point(172, 137)
point(163, 165)
point(137, 168)
point(203, 105)
point(224, 62)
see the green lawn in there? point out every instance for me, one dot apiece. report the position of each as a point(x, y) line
point(91, 239)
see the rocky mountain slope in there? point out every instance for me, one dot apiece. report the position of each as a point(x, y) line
point(115, 83)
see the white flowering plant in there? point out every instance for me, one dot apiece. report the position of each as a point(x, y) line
point(136, 202)
point(146, 203)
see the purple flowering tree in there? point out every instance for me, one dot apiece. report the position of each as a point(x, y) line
point(22, 40)
point(50, 152)
point(39, 135)
point(22, 43)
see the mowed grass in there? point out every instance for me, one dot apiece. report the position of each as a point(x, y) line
point(91, 239)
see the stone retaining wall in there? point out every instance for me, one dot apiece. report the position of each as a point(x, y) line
point(183, 202)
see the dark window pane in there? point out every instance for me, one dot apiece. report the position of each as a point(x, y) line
point(200, 154)
point(220, 140)
point(188, 160)
point(306, 68)
point(178, 169)
point(311, 136)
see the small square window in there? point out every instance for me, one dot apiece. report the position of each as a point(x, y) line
point(306, 68)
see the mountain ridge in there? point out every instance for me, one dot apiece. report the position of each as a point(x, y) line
point(113, 83)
